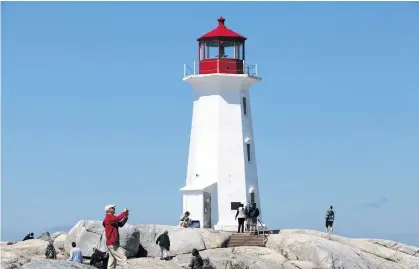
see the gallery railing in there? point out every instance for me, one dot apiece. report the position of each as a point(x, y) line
point(221, 66)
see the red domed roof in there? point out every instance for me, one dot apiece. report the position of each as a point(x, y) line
point(221, 31)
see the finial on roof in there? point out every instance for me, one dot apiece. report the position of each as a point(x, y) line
point(221, 21)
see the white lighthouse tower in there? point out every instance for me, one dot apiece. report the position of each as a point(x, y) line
point(221, 171)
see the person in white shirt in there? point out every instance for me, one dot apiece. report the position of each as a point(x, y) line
point(240, 216)
point(75, 254)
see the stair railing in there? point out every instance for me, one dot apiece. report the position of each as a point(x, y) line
point(265, 238)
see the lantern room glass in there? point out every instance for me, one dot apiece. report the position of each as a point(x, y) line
point(217, 49)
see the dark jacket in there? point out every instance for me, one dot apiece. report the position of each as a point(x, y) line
point(164, 241)
point(196, 262)
point(50, 252)
point(99, 259)
point(28, 237)
point(330, 215)
point(253, 211)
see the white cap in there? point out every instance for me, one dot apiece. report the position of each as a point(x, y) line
point(109, 207)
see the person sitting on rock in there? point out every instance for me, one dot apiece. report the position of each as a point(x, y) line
point(99, 259)
point(185, 220)
point(28, 236)
point(196, 260)
point(50, 252)
point(75, 254)
point(164, 242)
point(112, 224)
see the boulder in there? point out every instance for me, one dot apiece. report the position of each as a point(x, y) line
point(56, 235)
point(409, 250)
point(239, 258)
point(45, 236)
point(55, 264)
point(60, 241)
point(389, 250)
point(324, 253)
point(182, 240)
point(26, 248)
point(89, 234)
point(13, 260)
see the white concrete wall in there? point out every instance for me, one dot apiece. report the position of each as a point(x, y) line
point(250, 167)
point(194, 203)
point(217, 149)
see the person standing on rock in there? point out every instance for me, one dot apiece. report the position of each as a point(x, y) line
point(112, 224)
point(28, 236)
point(75, 254)
point(164, 242)
point(240, 216)
point(330, 217)
point(196, 260)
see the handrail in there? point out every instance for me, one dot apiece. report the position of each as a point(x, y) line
point(263, 230)
point(249, 69)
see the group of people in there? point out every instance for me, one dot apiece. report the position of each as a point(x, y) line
point(116, 254)
point(75, 253)
point(50, 252)
point(248, 214)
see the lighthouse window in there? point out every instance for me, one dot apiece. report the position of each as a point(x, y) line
point(248, 152)
point(211, 50)
point(226, 49)
point(252, 197)
point(244, 106)
point(239, 51)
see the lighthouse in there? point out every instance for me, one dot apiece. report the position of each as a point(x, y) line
point(221, 171)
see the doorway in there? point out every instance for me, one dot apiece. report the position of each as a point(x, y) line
point(207, 210)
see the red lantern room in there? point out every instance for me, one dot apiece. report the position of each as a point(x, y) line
point(221, 51)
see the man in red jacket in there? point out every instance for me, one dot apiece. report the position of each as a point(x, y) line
point(111, 224)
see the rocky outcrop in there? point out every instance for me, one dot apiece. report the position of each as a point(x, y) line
point(55, 264)
point(290, 249)
point(330, 251)
point(27, 248)
point(140, 240)
point(60, 241)
point(56, 235)
point(89, 234)
point(45, 236)
point(182, 240)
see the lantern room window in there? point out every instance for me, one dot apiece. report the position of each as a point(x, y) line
point(218, 49)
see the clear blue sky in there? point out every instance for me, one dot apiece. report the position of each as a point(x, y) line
point(95, 111)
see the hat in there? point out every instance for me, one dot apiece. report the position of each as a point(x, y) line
point(109, 207)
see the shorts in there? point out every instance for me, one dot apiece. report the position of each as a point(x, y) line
point(329, 223)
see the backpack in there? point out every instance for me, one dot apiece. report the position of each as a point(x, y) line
point(254, 213)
